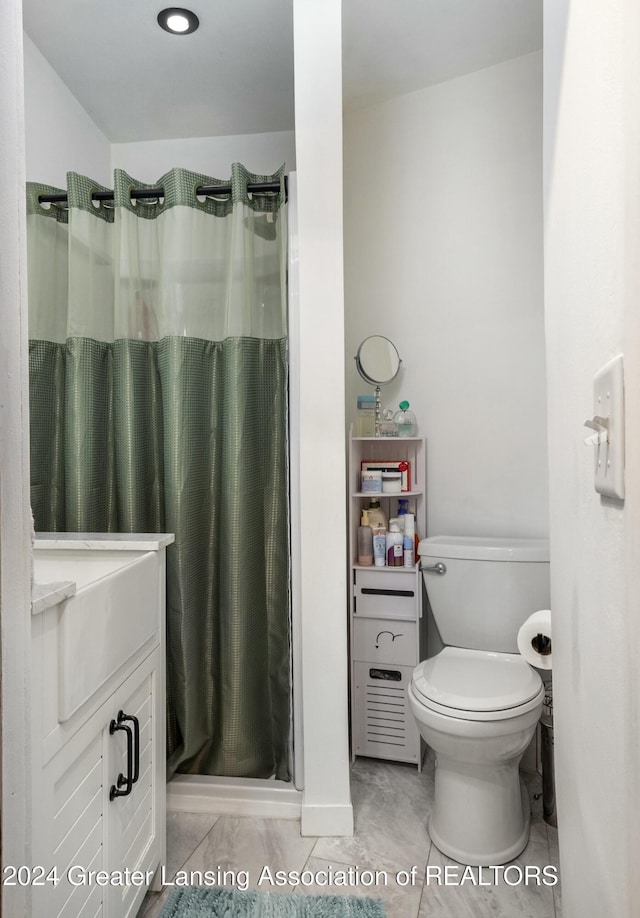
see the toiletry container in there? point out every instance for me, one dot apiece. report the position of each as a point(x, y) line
point(408, 541)
point(391, 482)
point(377, 515)
point(371, 481)
point(394, 545)
point(366, 416)
point(387, 426)
point(405, 421)
point(365, 541)
point(379, 546)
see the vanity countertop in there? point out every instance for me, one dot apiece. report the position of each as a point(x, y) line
point(105, 541)
point(45, 595)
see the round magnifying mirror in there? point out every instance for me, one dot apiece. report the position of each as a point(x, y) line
point(377, 360)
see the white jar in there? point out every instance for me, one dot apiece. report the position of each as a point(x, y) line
point(371, 482)
point(391, 482)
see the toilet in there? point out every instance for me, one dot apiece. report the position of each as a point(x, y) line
point(477, 702)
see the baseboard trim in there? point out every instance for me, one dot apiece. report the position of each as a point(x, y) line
point(326, 820)
point(233, 796)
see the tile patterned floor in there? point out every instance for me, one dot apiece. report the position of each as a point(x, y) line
point(391, 803)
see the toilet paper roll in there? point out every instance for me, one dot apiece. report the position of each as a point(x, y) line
point(534, 639)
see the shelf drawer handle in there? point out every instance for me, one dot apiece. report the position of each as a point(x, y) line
point(371, 591)
point(387, 675)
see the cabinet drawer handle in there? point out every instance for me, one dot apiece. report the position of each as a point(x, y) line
point(123, 780)
point(371, 591)
point(136, 740)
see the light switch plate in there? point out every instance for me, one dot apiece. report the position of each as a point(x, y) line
point(608, 402)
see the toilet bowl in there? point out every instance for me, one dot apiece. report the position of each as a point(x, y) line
point(478, 712)
point(476, 703)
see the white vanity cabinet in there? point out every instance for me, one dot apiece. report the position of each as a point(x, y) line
point(98, 732)
point(386, 625)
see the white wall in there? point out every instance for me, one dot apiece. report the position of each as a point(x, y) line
point(61, 138)
point(443, 254)
point(592, 294)
point(326, 805)
point(260, 153)
point(60, 135)
point(15, 553)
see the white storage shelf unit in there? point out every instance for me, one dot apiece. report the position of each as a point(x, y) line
point(386, 625)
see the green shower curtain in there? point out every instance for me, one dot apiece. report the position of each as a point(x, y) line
point(158, 399)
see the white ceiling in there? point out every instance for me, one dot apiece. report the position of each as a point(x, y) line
point(235, 74)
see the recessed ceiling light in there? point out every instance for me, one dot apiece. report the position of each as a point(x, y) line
point(178, 21)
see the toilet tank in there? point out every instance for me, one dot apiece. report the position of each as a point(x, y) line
point(490, 587)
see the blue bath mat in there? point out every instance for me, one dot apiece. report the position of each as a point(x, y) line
point(204, 902)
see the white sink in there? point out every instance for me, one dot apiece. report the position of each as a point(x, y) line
point(112, 615)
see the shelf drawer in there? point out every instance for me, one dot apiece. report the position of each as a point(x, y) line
point(385, 641)
point(386, 594)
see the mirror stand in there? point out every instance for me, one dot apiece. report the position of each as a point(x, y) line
point(378, 411)
point(378, 362)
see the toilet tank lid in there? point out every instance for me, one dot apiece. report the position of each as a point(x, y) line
point(484, 548)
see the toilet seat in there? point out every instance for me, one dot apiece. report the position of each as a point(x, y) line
point(477, 684)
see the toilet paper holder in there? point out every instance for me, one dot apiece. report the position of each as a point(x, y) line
point(534, 639)
point(541, 643)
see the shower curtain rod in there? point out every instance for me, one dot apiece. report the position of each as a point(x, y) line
point(142, 193)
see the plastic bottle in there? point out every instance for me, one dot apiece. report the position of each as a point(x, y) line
point(394, 545)
point(406, 421)
point(377, 516)
point(379, 545)
point(365, 541)
point(403, 509)
point(408, 542)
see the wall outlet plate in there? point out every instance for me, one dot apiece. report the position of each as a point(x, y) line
point(608, 402)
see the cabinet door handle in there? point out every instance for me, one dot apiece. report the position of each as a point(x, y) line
point(123, 780)
point(136, 739)
point(371, 591)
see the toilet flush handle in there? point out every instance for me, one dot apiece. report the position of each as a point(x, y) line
point(438, 568)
